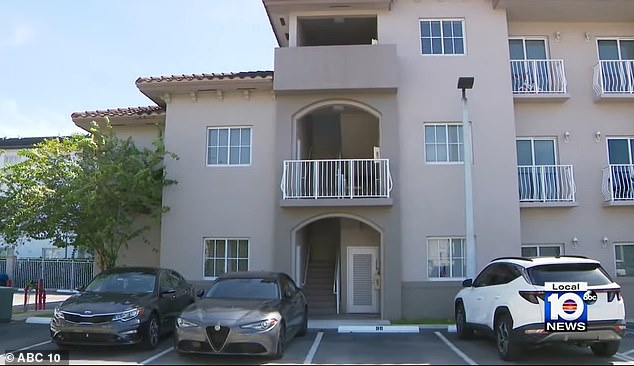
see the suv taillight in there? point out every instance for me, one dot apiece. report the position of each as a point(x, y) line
point(532, 296)
point(612, 294)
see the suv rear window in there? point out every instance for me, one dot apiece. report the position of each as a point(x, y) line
point(591, 273)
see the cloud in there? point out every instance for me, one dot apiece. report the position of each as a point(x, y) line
point(19, 35)
point(38, 122)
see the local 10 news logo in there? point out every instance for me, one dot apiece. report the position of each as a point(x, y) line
point(566, 306)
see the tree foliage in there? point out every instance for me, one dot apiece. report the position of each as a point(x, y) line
point(92, 192)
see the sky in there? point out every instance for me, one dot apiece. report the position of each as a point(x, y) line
point(64, 56)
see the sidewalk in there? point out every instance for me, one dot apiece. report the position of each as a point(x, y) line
point(52, 300)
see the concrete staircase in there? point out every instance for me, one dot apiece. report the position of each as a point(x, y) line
point(318, 288)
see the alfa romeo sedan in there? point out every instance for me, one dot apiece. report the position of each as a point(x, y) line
point(127, 305)
point(244, 313)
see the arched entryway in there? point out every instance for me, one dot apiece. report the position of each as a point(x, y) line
point(338, 263)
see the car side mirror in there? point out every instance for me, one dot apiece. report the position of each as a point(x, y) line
point(467, 283)
point(200, 292)
point(80, 288)
point(288, 294)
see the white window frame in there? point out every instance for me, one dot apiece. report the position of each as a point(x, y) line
point(617, 247)
point(460, 143)
point(450, 258)
point(229, 146)
point(226, 257)
point(539, 247)
point(442, 36)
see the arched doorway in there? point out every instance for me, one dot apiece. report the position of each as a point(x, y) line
point(338, 262)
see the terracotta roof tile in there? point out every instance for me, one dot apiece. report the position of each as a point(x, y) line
point(212, 76)
point(121, 112)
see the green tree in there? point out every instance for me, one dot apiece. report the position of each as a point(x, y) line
point(94, 192)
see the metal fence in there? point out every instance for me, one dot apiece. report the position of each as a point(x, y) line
point(60, 274)
point(3, 266)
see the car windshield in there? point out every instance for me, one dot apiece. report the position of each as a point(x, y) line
point(123, 282)
point(591, 273)
point(244, 288)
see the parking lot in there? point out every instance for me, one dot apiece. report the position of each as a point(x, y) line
point(434, 345)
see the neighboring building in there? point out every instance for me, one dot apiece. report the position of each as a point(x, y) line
point(344, 166)
point(33, 248)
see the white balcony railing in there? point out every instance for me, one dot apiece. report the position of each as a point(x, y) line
point(538, 77)
point(614, 77)
point(546, 183)
point(618, 182)
point(339, 178)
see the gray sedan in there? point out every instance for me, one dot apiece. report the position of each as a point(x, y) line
point(244, 313)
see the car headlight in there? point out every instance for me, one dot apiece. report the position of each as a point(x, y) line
point(265, 324)
point(124, 316)
point(57, 313)
point(182, 323)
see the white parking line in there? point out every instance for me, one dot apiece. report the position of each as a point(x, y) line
point(462, 355)
point(623, 357)
point(313, 348)
point(28, 347)
point(158, 355)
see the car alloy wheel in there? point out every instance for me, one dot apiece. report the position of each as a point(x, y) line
point(281, 342)
point(151, 337)
point(507, 348)
point(463, 331)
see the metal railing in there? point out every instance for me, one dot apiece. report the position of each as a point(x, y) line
point(3, 265)
point(614, 77)
point(306, 264)
point(618, 182)
point(59, 274)
point(538, 76)
point(546, 183)
point(338, 178)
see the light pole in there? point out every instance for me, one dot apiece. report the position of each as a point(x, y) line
point(465, 83)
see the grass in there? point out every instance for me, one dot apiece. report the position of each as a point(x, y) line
point(423, 321)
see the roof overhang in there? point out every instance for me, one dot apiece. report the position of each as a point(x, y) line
point(133, 116)
point(160, 89)
point(279, 11)
point(567, 10)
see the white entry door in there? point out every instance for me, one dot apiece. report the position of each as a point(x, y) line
point(363, 284)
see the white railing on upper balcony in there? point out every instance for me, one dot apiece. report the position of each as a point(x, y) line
point(614, 77)
point(618, 182)
point(546, 183)
point(338, 178)
point(538, 77)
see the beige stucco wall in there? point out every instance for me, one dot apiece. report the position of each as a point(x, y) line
point(428, 93)
point(581, 116)
point(218, 202)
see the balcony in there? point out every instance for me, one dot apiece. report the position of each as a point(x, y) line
point(339, 182)
point(345, 67)
point(614, 79)
point(618, 185)
point(546, 186)
point(538, 79)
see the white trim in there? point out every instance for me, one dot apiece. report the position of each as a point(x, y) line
point(228, 128)
point(442, 38)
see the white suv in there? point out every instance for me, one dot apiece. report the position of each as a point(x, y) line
point(506, 300)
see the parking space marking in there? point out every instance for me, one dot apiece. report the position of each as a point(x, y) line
point(158, 355)
point(29, 347)
point(627, 353)
point(313, 348)
point(461, 354)
point(623, 357)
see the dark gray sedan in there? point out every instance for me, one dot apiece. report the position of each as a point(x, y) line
point(244, 313)
point(126, 305)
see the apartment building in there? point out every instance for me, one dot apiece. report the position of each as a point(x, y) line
point(344, 165)
point(31, 248)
